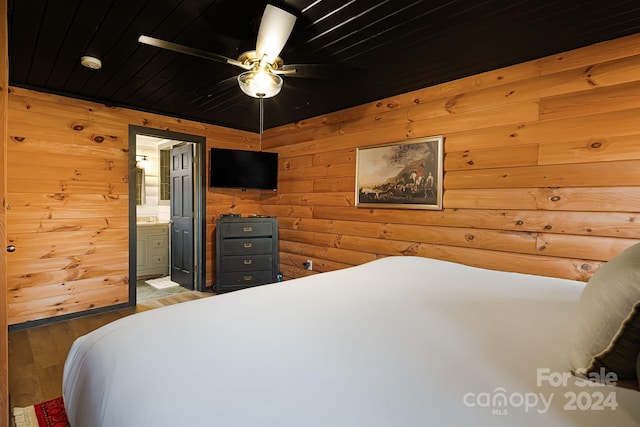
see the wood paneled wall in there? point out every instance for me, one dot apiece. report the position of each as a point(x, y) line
point(4, 96)
point(68, 198)
point(542, 170)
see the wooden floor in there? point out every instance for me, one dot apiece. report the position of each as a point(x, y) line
point(37, 355)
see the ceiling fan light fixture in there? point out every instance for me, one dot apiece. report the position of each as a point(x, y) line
point(260, 83)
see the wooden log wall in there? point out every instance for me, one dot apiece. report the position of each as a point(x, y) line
point(541, 170)
point(68, 196)
point(4, 96)
point(541, 174)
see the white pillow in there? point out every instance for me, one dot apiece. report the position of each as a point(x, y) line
point(608, 330)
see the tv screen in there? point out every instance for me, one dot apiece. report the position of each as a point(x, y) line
point(243, 169)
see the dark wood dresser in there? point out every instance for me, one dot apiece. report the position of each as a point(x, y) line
point(246, 252)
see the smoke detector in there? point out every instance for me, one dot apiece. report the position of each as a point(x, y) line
point(91, 62)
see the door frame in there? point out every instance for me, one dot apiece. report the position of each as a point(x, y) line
point(199, 200)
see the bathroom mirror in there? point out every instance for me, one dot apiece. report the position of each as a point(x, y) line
point(140, 199)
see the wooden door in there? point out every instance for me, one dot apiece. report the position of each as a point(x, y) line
point(182, 215)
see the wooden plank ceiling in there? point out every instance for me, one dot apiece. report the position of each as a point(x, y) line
point(402, 44)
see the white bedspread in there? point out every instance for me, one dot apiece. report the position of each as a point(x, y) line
point(402, 341)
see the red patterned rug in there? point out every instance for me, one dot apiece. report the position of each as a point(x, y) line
point(46, 414)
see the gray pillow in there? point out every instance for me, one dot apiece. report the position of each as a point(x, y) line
point(608, 329)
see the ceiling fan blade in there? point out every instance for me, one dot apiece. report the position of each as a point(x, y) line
point(174, 47)
point(208, 92)
point(275, 29)
point(321, 71)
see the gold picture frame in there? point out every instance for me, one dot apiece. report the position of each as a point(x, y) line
point(404, 174)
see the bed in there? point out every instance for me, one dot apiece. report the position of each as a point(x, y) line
point(400, 341)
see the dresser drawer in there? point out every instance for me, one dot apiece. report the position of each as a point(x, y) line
point(247, 263)
point(243, 229)
point(233, 279)
point(247, 246)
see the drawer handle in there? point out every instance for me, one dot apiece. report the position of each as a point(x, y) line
point(248, 245)
point(247, 229)
point(247, 262)
point(247, 278)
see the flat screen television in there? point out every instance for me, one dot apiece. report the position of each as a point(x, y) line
point(243, 169)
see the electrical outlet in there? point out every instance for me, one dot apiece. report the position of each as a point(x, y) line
point(308, 264)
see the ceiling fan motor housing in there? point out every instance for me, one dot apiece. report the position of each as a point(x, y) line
point(251, 59)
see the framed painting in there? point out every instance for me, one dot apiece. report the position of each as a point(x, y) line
point(406, 174)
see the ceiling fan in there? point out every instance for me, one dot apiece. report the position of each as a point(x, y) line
point(263, 66)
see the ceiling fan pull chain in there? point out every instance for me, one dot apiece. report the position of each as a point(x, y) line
point(261, 121)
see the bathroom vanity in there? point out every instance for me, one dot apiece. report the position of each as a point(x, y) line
point(152, 249)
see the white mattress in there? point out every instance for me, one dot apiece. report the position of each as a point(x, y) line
point(402, 341)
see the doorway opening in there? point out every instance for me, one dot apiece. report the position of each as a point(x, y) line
point(167, 212)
